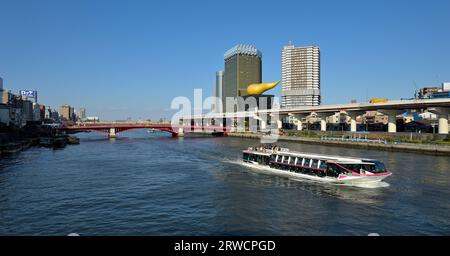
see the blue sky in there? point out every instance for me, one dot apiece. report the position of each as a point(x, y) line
point(123, 59)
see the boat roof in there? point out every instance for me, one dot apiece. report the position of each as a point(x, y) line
point(334, 158)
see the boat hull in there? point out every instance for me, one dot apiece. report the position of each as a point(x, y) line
point(341, 180)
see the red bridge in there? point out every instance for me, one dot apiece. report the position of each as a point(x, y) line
point(115, 128)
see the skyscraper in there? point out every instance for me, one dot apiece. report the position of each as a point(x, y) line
point(300, 76)
point(218, 90)
point(243, 66)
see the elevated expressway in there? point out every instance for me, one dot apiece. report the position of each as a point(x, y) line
point(440, 107)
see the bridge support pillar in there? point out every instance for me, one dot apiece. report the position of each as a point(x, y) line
point(180, 132)
point(392, 123)
point(353, 115)
point(392, 119)
point(443, 124)
point(263, 124)
point(198, 125)
point(299, 125)
point(442, 114)
point(322, 117)
point(323, 124)
point(279, 124)
point(112, 132)
point(353, 125)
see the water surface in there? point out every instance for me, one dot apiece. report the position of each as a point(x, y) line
point(151, 184)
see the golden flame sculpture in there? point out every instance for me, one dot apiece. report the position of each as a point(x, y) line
point(256, 89)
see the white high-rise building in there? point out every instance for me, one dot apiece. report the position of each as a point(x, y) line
point(300, 76)
point(81, 114)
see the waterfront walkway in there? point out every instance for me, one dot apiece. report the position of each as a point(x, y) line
point(434, 149)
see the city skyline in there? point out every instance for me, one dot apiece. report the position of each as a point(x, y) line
point(134, 66)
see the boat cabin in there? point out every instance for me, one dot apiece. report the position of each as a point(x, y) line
point(317, 165)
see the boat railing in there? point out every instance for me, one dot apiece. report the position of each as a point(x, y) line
point(270, 150)
point(354, 139)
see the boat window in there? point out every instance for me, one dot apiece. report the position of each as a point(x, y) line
point(332, 170)
point(302, 161)
point(376, 167)
point(285, 159)
point(315, 163)
point(245, 156)
point(273, 158)
point(296, 160)
point(352, 167)
point(291, 160)
point(322, 164)
point(306, 162)
point(261, 159)
point(379, 167)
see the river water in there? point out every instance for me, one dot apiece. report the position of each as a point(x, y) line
point(152, 184)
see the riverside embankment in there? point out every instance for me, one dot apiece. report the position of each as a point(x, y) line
point(426, 148)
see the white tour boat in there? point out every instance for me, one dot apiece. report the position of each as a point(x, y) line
point(321, 168)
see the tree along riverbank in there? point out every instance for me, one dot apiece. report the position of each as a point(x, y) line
point(14, 139)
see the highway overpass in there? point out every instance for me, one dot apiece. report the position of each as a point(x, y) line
point(440, 107)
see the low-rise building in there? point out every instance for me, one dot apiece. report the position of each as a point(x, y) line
point(36, 112)
point(66, 112)
point(374, 117)
point(27, 111)
point(4, 114)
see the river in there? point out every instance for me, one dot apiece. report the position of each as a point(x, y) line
point(152, 184)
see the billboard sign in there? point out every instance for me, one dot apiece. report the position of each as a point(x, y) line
point(28, 94)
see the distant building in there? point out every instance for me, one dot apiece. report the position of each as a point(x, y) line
point(1, 84)
point(16, 117)
point(93, 119)
point(243, 66)
point(431, 92)
point(218, 90)
point(81, 114)
point(300, 76)
point(54, 114)
point(42, 112)
point(48, 113)
point(27, 111)
point(446, 86)
point(4, 114)
point(6, 97)
point(36, 112)
point(374, 117)
point(66, 112)
point(337, 118)
point(427, 116)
